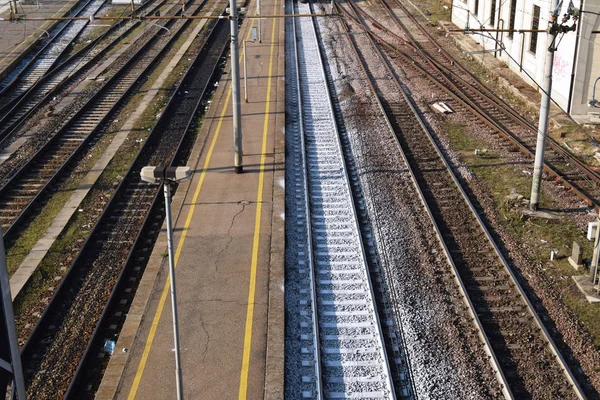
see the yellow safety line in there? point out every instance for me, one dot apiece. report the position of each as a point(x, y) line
point(252, 289)
point(161, 304)
point(34, 32)
point(163, 297)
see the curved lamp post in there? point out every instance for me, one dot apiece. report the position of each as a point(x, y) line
point(168, 176)
point(593, 101)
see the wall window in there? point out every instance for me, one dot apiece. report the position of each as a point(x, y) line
point(476, 11)
point(535, 24)
point(511, 21)
point(493, 13)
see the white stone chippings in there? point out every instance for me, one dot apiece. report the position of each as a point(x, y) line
point(41, 64)
point(445, 357)
point(346, 363)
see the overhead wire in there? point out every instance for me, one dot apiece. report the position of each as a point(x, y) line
point(488, 35)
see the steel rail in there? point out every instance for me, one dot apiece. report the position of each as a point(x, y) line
point(51, 145)
point(218, 48)
point(586, 172)
point(461, 286)
point(387, 301)
point(450, 77)
point(551, 345)
point(45, 88)
point(89, 252)
point(327, 250)
point(451, 88)
point(309, 239)
point(5, 91)
point(355, 214)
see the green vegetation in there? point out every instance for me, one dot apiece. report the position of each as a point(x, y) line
point(58, 259)
point(541, 235)
point(438, 11)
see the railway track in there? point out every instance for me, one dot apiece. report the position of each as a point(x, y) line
point(344, 350)
point(480, 104)
point(514, 116)
point(526, 355)
point(52, 161)
point(97, 290)
point(21, 79)
point(18, 110)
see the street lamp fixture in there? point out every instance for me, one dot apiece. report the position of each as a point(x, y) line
point(593, 101)
point(168, 176)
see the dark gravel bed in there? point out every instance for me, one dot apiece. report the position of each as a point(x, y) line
point(545, 288)
point(446, 357)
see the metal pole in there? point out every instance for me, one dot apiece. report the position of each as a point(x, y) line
point(235, 90)
point(594, 91)
point(259, 21)
point(544, 112)
point(167, 190)
point(15, 355)
point(595, 254)
point(245, 75)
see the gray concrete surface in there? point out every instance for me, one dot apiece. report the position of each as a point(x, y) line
point(215, 263)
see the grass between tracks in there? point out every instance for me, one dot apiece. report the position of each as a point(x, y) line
point(510, 87)
point(43, 282)
point(438, 11)
point(95, 31)
point(538, 236)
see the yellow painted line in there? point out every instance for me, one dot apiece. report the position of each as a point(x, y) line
point(259, 197)
point(161, 304)
point(43, 26)
point(165, 292)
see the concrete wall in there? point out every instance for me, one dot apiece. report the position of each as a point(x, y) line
point(587, 66)
point(531, 65)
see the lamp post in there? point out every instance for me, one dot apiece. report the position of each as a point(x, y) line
point(246, 64)
point(235, 89)
point(259, 22)
point(593, 101)
point(168, 176)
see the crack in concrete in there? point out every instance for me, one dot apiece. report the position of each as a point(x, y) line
point(195, 301)
point(205, 350)
point(242, 302)
point(243, 203)
point(246, 202)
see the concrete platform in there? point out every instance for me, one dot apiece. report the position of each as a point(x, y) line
point(229, 241)
point(16, 39)
point(585, 286)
